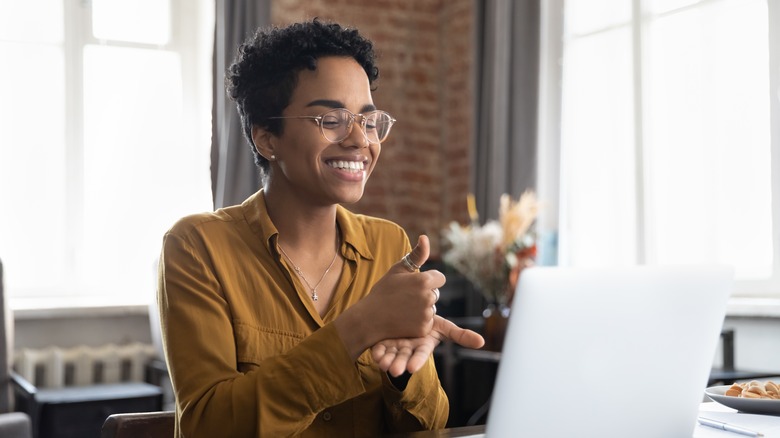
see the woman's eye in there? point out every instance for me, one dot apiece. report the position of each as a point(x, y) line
point(330, 122)
point(370, 123)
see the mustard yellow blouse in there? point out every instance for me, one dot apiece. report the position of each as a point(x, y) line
point(249, 355)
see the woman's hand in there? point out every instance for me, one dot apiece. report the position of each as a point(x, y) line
point(400, 305)
point(409, 354)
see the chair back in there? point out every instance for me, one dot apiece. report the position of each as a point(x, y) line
point(139, 425)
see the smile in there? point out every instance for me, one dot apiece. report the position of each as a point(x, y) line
point(349, 166)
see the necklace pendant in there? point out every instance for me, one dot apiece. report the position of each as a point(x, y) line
point(314, 296)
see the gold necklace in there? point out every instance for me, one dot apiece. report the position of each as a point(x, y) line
point(298, 271)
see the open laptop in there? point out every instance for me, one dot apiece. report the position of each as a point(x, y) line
point(617, 352)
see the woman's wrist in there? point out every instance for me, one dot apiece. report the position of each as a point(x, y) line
point(354, 332)
point(401, 381)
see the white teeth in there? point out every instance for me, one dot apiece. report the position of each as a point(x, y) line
point(351, 166)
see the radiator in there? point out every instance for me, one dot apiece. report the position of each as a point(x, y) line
point(55, 367)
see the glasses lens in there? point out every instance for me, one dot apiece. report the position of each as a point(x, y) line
point(335, 125)
point(384, 122)
point(377, 125)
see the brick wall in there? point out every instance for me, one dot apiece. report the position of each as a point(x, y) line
point(426, 62)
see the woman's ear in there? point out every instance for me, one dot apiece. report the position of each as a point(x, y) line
point(263, 141)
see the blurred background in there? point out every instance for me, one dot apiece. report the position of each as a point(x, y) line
point(646, 129)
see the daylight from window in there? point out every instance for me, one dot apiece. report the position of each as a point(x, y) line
point(104, 144)
point(666, 135)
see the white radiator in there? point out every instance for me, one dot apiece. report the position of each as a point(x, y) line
point(55, 367)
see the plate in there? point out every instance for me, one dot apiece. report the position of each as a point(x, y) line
point(748, 405)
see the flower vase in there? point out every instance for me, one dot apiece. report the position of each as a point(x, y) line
point(496, 318)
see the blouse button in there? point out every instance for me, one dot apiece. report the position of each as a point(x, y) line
point(326, 416)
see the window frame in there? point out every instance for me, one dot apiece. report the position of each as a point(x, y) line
point(755, 295)
point(188, 19)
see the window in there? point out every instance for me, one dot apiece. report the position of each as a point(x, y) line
point(667, 109)
point(104, 143)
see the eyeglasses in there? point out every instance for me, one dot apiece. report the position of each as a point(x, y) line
point(336, 125)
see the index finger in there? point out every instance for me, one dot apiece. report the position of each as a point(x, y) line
point(463, 337)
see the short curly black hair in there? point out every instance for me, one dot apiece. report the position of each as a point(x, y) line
point(262, 78)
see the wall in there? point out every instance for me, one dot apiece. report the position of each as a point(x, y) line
point(91, 328)
point(425, 56)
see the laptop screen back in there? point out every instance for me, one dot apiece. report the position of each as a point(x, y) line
point(608, 352)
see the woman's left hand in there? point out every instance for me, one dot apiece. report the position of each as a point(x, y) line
point(409, 354)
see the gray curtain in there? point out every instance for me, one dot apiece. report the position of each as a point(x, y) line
point(507, 94)
point(234, 175)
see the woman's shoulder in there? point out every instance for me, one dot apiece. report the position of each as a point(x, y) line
point(376, 230)
point(207, 219)
point(372, 223)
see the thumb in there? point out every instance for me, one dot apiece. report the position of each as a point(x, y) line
point(419, 254)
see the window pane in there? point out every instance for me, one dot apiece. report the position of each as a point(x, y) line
point(141, 21)
point(140, 174)
point(708, 145)
point(663, 6)
point(31, 20)
point(585, 16)
point(598, 179)
point(33, 184)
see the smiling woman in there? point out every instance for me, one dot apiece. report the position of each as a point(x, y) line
point(288, 314)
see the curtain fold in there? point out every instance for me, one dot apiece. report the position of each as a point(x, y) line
point(234, 175)
point(507, 101)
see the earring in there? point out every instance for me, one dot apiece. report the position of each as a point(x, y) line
point(273, 157)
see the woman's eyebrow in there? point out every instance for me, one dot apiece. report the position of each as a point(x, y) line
point(326, 102)
point(337, 104)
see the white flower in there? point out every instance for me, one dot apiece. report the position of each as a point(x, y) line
point(486, 254)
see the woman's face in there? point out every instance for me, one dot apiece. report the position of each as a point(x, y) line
point(310, 166)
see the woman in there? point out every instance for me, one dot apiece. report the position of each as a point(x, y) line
point(287, 314)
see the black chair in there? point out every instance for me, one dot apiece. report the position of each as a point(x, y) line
point(728, 373)
point(139, 425)
point(67, 412)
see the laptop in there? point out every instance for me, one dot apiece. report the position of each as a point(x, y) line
point(608, 352)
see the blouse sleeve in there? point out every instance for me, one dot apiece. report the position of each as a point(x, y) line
point(422, 404)
point(280, 397)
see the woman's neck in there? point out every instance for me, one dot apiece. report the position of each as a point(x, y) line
point(301, 225)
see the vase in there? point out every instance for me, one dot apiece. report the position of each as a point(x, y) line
point(496, 318)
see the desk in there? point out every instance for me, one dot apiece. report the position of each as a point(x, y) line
point(769, 426)
point(466, 431)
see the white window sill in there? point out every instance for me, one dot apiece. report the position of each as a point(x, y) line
point(76, 307)
point(744, 307)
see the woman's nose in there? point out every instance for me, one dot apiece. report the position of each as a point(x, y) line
point(357, 136)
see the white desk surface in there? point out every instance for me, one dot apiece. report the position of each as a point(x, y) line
point(766, 424)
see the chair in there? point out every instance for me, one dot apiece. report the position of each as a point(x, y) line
point(157, 369)
point(15, 425)
point(62, 412)
point(12, 424)
point(139, 425)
